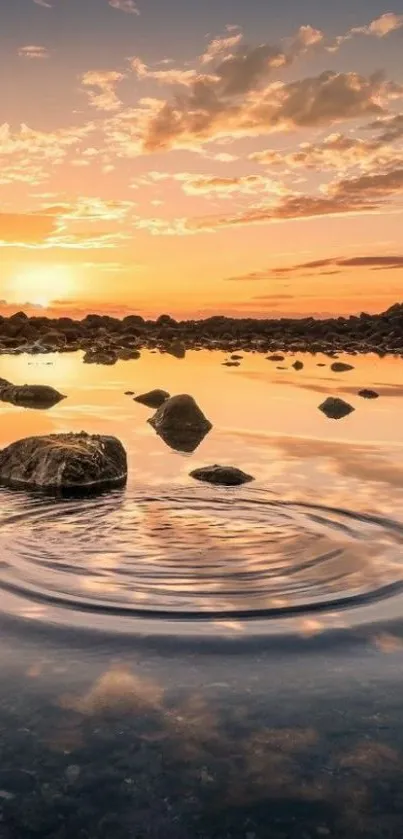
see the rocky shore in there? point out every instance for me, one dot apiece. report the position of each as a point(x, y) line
point(105, 340)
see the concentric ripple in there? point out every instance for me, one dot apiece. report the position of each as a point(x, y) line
point(195, 555)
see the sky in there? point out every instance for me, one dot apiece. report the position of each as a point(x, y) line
point(201, 157)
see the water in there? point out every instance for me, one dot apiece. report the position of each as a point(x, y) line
point(185, 660)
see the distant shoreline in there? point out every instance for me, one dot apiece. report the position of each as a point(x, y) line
point(112, 339)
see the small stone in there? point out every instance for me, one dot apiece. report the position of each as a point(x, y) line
point(180, 423)
point(129, 392)
point(368, 394)
point(335, 408)
point(236, 357)
point(225, 475)
point(298, 365)
point(341, 367)
point(275, 357)
point(153, 399)
point(230, 364)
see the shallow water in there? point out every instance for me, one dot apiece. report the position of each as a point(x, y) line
point(185, 660)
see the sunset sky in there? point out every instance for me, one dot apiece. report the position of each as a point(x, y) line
point(241, 157)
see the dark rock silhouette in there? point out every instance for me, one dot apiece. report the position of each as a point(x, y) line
point(230, 363)
point(275, 357)
point(366, 393)
point(29, 396)
point(180, 423)
point(64, 462)
point(153, 399)
point(335, 408)
point(341, 367)
point(298, 365)
point(225, 475)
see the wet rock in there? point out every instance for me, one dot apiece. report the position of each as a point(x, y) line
point(64, 462)
point(366, 393)
point(230, 364)
point(236, 357)
point(153, 399)
point(275, 357)
point(128, 354)
point(225, 475)
point(176, 349)
point(100, 357)
point(335, 408)
point(298, 365)
point(29, 396)
point(129, 392)
point(181, 423)
point(341, 367)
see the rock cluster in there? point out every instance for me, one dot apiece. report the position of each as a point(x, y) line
point(29, 396)
point(107, 339)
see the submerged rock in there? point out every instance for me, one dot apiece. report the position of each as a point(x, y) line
point(153, 399)
point(180, 423)
point(64, 462)
point(366, 393)
point(225, 475)
point(335, 408)
point(340, 367)
point(29, 396)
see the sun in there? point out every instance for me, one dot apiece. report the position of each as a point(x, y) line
point(42, 286)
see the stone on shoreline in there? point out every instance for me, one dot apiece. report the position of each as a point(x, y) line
point(153, 399)
point(335, 408)
point(275, 357)
point(64, 462)
point(180, 423)
point(224, 475)
point(95, 356)
point(298, 365)
point(29, 396)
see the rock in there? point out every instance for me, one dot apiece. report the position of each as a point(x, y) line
point(153, 399)
point(225, 475)
point(298, 365)
point(128, 354)
point(275, 357)
point(129, 392)
point(29, 396)
point(94, 356)
point(176, 349)
point(321, 364)
point(335, 408)
point(236, 357)
point(230, 364)
point(368, 394)
point(340, 367)
point(64, 462)
point(180, 423)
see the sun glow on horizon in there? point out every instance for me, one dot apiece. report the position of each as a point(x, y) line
point(42, 286)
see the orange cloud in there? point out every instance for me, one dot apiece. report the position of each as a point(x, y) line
point(104, 82)
point(33, 51)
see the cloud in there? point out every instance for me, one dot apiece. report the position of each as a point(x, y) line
point(236, 104)
point(105, 82)
point(374, 262)
point(379, 28)
point(221, 44)
point(215, 184)
point(25, 228)
point(390, 128)
point(127, 6)
point(27, 155)
point(33, 51)
point(171, 76)
point(378, 186)
point(44, 4)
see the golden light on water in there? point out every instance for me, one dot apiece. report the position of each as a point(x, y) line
point(42, 286)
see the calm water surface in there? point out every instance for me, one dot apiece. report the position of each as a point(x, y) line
point(180, 660)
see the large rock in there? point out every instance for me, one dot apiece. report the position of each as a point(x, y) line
point(335, 408)
point(64, 462)
point(180, 423)
point(153, 398)
point(29, 396)
point(224, 475)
